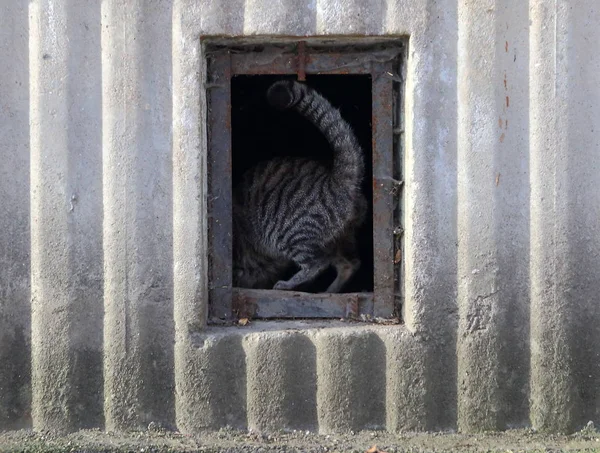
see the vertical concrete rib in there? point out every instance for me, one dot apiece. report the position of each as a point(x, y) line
point(215, 390)
point(351, 373)
point(15, 318)
point(429, 204)
point(406, 380)
point(353, 17)
point(492, 216)
point(138, 218)
point(554, 396)
point(285, 17)
point(66, 214)
point(565, 213)
point(479, 291)
point(190, 257)
point(281, 381)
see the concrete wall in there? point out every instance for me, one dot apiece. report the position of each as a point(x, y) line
point(103, 227)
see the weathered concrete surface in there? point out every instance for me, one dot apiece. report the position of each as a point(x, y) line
point(493, 216)
point(282, 373)
point(103, 288)
point(319, 376)
point(139, 377)
point(66, 215)
point(565, 215)
point(15, 246)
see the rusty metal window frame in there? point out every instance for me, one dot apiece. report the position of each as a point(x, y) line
point(383, 62)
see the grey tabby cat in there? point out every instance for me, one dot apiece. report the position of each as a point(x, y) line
point(299, 211)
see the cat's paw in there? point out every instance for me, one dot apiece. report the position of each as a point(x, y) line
point(282, 284)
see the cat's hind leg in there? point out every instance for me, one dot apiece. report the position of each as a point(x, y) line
point(345, 270)
point(345, 261)
point(307, 273)
point(312, 261)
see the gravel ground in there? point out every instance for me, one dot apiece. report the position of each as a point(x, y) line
point(234, 441)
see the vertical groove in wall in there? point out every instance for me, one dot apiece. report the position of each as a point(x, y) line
point(66, 258)
point(430, 193)
point(15, 318)
point(281, 381)
point(555, 400)
point(138, 218)
point(85, 210)
point(492, 218)
point(287, 17)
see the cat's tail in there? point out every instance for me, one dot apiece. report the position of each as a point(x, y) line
point(348, 165)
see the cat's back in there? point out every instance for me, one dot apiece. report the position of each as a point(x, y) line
point(280, 180)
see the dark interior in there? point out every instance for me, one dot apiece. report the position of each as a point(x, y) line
point(260, 132)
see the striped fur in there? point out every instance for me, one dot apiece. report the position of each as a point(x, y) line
point(297, 211)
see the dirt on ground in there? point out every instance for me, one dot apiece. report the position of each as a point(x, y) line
point(154, 440)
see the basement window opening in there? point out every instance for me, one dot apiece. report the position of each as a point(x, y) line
point(246, 129)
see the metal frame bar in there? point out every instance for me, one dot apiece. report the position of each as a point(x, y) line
point(254, 303)
point(227, 302)
point(219, 193)
point(383, 190)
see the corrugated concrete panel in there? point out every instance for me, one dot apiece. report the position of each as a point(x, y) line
point(103, 245)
